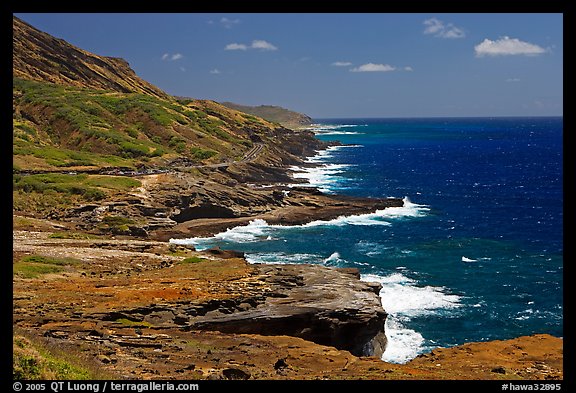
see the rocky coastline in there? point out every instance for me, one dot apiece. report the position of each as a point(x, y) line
point(107, 168)
point(143, 308)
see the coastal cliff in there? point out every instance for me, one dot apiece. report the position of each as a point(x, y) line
point(143, 309)
point(287, 118)
point(107, 168)
point(211, 291)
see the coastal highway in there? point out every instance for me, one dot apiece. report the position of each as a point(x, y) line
point(251, 155)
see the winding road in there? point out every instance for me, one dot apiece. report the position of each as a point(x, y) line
point(251, 155)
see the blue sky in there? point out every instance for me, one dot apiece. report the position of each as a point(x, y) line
point(339, 64)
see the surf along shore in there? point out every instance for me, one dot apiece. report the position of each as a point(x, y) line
point(133, 306)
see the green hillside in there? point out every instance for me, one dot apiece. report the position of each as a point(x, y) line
point(275, 114)
point(57, 126)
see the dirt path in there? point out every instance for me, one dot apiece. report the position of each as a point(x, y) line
point(146, 180)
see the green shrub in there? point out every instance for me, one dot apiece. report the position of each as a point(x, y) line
point(34, 270)
point(130, 323)
point(202, 154)
point(32, 361)
point(113, 182)
point(193, 260)
point(59, 183)
point(131, 149)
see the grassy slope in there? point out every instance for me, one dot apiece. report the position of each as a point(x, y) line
point(58, 126)
point(34, 360)
point(275, 114)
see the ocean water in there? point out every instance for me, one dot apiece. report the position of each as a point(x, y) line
point(475, 254)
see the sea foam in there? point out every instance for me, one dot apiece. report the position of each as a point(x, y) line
point(260, 230)
point(403, 299)
point(326, 177)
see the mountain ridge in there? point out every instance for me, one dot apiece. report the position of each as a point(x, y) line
point(273, 113)
point(42, 57)
point(90, 281)
point(74, 109)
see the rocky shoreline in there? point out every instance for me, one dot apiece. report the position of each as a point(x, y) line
point(107, 168)
point(144, 309)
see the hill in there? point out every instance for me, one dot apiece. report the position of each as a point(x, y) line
point(79, 119)
point(275, 114)
point(39, 56)
point(107, 167)
point(74, 109)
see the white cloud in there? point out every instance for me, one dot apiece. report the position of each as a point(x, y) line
point(256, 44)
point(507, 46)
point(235, 46)
point(182, 69)
point(408, 68)
point(371, 67)
point(439, 29)
point(513, 80)
point(341, 63)
point(262, 45)
point(215, 71)
point(174, 57)
point(229, 23)
point(433, 26)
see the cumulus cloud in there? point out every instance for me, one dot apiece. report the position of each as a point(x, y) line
point(507, 46)
point(256, 44)
point(438, 28)
point(229, 23)
point(235, 46)
point(341, 64)
point(408, 68)
point(262, 45)
point(174, 57)
point(371, 67)
point(215, 71)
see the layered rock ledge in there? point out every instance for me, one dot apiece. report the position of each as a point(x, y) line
point(328, 306)
point(150, 310)
point(219, 291)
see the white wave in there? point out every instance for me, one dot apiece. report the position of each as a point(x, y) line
point(259, 230)
point(408, 209)
point(324, 176)
point(319, 128)
point(281, 258)
point(340, 147)
point(339, 133)
point(403, 344)
point(322, 155)
point(321, 177)
point(469, 260)
point(333, 258)
point(403, 299)
point(256, 230)
point(377, 218)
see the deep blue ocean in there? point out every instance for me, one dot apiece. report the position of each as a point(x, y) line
point(475, 254)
